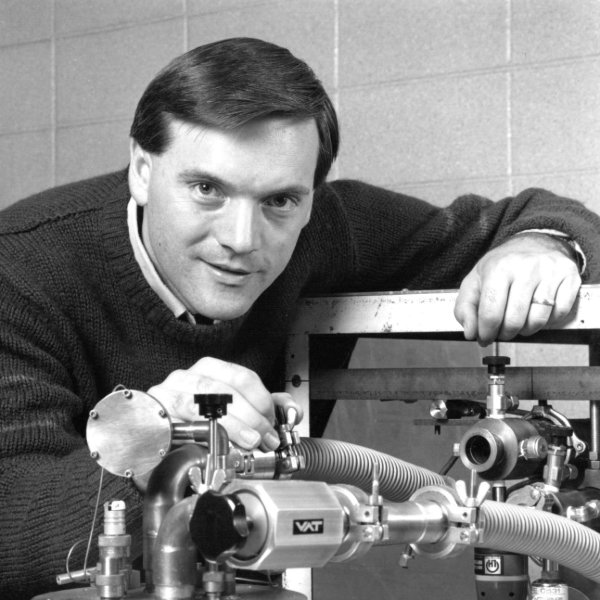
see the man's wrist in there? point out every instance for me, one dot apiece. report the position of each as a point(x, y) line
point(572, 248)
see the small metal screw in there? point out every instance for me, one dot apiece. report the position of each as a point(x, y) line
point(128, 473)
point(162, 413)
point(128, 394)
point(94, 455)
point(93, 414)
point(162, 452)
point(296, 380)
point(464, 536)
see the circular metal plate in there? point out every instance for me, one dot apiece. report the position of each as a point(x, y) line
point(128, 433)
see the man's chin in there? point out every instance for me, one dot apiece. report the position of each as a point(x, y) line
point(226, 304)
point(224, 313)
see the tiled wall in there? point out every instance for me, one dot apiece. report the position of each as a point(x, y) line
point(435, 97)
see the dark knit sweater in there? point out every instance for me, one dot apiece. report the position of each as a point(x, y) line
point(77, 318)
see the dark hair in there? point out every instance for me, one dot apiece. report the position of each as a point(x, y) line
point(229, 83)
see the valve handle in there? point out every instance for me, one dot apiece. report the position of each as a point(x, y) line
point(213, 406)
point(443, 410)
point(218, 525)
point(559, 432)
point(496, 364)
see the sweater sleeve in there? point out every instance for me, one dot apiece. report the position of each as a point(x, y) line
point(400, 242)
point(49, 482)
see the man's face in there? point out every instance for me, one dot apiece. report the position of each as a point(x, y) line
point(223, 209)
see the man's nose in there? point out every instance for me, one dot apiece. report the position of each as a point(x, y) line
point(240, 226)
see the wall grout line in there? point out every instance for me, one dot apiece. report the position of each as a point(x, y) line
point(475, 72)
point(186, 26)
point(489, 178)
point(336, 69)
point(111, 28)
point(53, 96)
point(509, 80)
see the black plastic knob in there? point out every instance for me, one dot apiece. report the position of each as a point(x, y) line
point(559, 433)
point(458, 408)
point(496, 364)
point(213, 406)
point(218, 526)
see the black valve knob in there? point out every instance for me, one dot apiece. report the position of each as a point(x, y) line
point(218, 526)
point(559, 433)
point(213, 406)
point(496, 364)
point(457, 409)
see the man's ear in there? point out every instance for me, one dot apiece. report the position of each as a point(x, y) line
point(140, 167)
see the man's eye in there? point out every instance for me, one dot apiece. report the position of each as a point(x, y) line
point(206, 189)
point(282, 202)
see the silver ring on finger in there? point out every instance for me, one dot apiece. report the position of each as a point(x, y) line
point(543, 302)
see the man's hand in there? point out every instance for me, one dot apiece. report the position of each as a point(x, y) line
point(250, 418)
point(517, 288)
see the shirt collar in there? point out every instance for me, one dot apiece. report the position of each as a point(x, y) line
point(149, 270)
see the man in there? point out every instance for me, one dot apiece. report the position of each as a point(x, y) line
point(181, 274)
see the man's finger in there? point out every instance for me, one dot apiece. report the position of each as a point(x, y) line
point(565, 298)
point(467, 302)
point(492, 307)
point(288, 406)
point(538, 316)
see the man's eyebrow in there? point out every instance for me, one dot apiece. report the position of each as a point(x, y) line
point(299, 190)
point(197, 175)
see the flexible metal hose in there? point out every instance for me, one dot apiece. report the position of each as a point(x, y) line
point(333, 461)
point(536, 533)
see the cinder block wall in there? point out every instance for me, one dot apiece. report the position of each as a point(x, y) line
point(435, 98)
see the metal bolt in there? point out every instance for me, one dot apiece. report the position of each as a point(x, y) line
point(95, 455)
point(162, 413)
point(464, 536)
point(162, 452)
point(93, 414)
point(128, 394)
point(407, 555)
point(128, 473)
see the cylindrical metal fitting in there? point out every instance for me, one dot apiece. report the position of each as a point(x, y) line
point(494, 448)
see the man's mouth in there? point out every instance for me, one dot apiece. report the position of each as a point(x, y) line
point(230, 273)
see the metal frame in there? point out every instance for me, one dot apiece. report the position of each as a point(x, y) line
point(426, 315)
